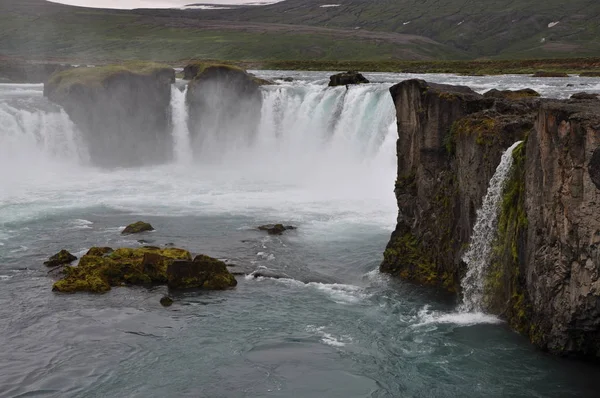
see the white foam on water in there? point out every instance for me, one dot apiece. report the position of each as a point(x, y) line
point(427, 317)
point(328, 338)
point(81, 224)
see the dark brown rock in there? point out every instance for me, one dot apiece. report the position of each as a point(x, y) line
point(166, 301)
point(512, 94)
point(61, 258)
point(137, 227)
point(276, 229)
point(204, 272)
point(345, 78)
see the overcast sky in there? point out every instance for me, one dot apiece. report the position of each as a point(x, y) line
point(127, 4)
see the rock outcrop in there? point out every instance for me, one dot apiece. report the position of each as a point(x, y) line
point(123, 111)
point(345, 78)
point(204, 272)
point(544, 275)
point(450, 142)
point(137, 227)
point(63, 257)
point(276, 229)
point(224, 104)
point(101, 269)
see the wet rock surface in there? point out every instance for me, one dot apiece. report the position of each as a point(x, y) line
point(544, 274)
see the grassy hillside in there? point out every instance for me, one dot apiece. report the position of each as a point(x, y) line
point(505, 28)
point(296, 30)
point(35, 29)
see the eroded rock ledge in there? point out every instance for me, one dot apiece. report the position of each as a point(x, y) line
point(123, 111)
point(544, 275)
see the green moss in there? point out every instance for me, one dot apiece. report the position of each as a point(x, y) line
point(406, 257)
point(485, 129)
point(95, 77)
point(505, 291)
point(124, 266)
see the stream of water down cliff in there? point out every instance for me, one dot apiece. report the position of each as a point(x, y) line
point(322, 159)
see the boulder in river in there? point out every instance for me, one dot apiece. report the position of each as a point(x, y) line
point(137, 227)
point(166, 301)
point(276, 229)
point(98, 271)
point(61, 258)
point(345, 78)
point(203, 272)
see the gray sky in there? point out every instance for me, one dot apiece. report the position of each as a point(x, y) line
point(127, 4)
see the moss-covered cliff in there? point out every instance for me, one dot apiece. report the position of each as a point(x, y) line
point(122, 110)
point(450, 142)
point(544, 275)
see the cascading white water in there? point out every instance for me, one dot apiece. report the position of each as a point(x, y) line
point(478, 255)
point(306, 133)
point(179, 116)
point(35, 135)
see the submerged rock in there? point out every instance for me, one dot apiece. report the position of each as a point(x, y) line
point(137, 227)
point(276, 229)
point(203, 272)
point(61, 258)
point(99, 271)
point(345, 78)
point(166, 301)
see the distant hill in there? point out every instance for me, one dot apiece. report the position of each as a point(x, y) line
point(360, 30)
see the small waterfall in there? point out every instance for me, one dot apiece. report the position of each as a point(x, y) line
point(478, 255)
point(179, 120)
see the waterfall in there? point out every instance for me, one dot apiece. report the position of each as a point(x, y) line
point(338, 140)
point(37, 134)
point(478, 255)
point(179, 121)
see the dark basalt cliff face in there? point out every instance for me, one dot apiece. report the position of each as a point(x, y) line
point(224, 105)
point(544, 273)
point(123, 111)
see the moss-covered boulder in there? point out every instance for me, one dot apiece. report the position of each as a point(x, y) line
point(137, 227)
point(123, 111)
point(512, 94)
point(99, 270)
point(204, 272)
point(549, 74)
point(224, 106)
point(61, 258)
point(345, 78)
point(276, 229)
point(166, 301)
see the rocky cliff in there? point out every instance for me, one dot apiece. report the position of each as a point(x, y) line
point(224, 105)
point(543, 275)
point(123, 111)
